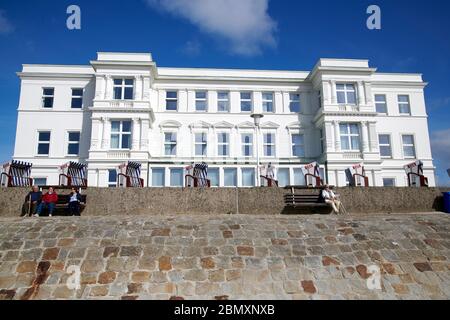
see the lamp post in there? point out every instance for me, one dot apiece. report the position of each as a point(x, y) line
point(257, 120)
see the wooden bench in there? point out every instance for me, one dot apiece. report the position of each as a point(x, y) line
point(307, 201)
point(61, 207)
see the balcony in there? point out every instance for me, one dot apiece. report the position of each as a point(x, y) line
point(129, 105)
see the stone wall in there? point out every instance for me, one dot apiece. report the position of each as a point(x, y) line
point(265, 201)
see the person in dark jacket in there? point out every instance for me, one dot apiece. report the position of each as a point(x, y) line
point(74, 202)
point(32, 201)
point(49, 201)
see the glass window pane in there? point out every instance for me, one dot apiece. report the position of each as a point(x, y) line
point(74, 136)
point(44, 136)
point(77, 103)
point(409, 151)
point(283, 177)
point(343, 129)
point(404, 108)
point(77, 92)
point(350, 87)
point(213, 175)
point(246, 95)
point(129, 82)
point(341, 97)
point(222, 95)
point(340, 86)
point(171, 105)
point(158, 175)
point(48, 102)
point(408, 139)
point(351, 97)
point(385, 151)
point(176, 177)
point(43, 148)
point(118, 82)
point(118, 93)
point(246, 106)
point(380, 98)
point(128, 94)
point(171, 94)
point(112, 176)
point(381, 108)
point(49, 91)
point(230, 177)
point(355, 143)
point(115, 138)
point(403, 98)
point(73, 149)
point(40, 182)
point(384, 139)
point(388, 182)
point(222, 106)
point(248, 177)
point(299, 178)
point(267, 107)
point(345, 145)
point(200, 105)
point(294, 106)
point(200, 95)
point(126, 141)
point(354, 128)
point(126, 126)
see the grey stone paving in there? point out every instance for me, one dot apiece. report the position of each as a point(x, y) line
point(226, 257)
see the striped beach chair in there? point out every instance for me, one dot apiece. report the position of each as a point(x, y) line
point(73, 174)
point(197, 176)
point(130, 175)
point(16, 174)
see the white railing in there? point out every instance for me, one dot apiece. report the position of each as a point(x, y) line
point(352, 155)
point(118, 155)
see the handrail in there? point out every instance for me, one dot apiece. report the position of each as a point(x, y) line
point(128, 183)
point(270, 182)
point(9, 181)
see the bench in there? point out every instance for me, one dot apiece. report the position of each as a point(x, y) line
point(306, 201)
point(61, 207)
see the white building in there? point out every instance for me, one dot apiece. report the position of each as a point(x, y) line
point(123, 107)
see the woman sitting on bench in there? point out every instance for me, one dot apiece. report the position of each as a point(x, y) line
point(74, 202)
point(49, 201)
point(331, 199)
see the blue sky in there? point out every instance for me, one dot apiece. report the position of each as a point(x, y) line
point(257, 34)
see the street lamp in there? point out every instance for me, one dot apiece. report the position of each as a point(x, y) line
point(257, 120)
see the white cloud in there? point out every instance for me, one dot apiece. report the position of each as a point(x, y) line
point(244, 24)
point(440, 143)
point(191, 48)
point(5, 25)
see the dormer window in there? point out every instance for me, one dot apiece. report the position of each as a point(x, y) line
point(123, 89)
point(346, 93)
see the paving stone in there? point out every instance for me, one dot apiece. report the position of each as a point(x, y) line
point(26, 266)
point(106, 277)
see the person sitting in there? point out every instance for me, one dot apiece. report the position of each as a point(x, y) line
point(331, 199)
point(74, 202)
point(49, 201)
point(32, 201)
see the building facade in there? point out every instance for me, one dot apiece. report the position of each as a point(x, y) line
point(123, 107)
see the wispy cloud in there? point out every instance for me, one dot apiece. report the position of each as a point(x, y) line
point(6, 26)
point(191, 48)
point(245, 25)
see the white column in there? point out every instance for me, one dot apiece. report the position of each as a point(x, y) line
point(108, 87)
point(337, 136)
point(325, 93)
point(328, 132)
point(106, 133)
point(333, 92)
point(136, 137)
point(144, 134)
point(146, 88)
point(286, 102)
point(278, 102)
point(258, 178)
point(365, 136)
point(360, 93)
point(99, 87)
point(368, 92)
point(212, 101)
point(373, 137)
point(138, 88)
point(257, 102)
point(96, 133)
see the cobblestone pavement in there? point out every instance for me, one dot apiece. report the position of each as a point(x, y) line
point(226, 257)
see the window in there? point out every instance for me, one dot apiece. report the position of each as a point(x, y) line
point(44, 143)
point(200, 101)
point(123, 89)
point(112, 178)
point(346, 93)
point(248, 177)
point(350, 140)
point(230, 177)
point(170, 144)
point(223, 141)
point(246, 102)
point(158, 177)
point(77, 98)
point(298, 145)
point(213, 176)
point(267, 101)
point(299, 177)
point(171, 101)
point(283, 177)
point(319, 98)
point(73, 147)
point(48, 95)
point(201, 144)
point(176, 177)
point(223, 102)
point(409, 150)
point(389, 182)
point(380, 103)
point(247, 145)
point(403, 104)
point(120, 134)
point(40, 182)
point(269, 145)
point(385, 145)
point(294, 102)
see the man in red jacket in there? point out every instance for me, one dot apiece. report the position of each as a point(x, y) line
point(49, 201)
